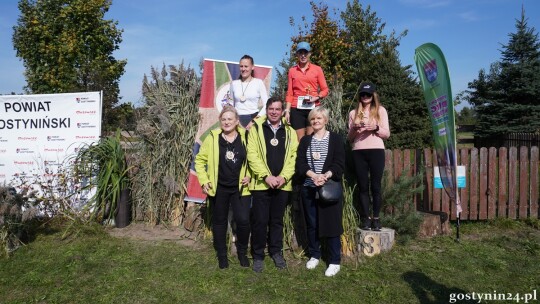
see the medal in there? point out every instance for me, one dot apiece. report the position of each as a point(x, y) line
point(229, 155)
point(242, 98)
point(274, 142)
point(316, 155)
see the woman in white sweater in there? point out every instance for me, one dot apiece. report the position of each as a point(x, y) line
point(248, 93)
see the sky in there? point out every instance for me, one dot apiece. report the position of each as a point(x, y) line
point(469, 32)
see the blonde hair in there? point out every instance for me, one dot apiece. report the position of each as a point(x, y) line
point(229, 108)
point(374, 106)
point(318, 110)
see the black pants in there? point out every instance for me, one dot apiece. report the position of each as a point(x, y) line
point(225, 197)
point(267, 214)
point(369, 166)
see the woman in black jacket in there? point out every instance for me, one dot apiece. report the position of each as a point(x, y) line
point(321, 157)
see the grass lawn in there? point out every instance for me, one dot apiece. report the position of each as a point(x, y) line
point(501, 256)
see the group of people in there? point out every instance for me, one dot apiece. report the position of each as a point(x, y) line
point(248, 164)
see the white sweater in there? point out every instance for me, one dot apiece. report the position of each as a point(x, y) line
point(254, 91)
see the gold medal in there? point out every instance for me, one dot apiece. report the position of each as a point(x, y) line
point(274, 142)
point(242, 98)
point(229, 155)
point(316, 155)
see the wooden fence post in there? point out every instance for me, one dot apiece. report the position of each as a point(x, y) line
point(503, 183)
point(534, 183)
point(512, 183)
point(523, 182)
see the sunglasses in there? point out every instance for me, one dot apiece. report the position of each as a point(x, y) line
point(302, 53)
point(365, 95)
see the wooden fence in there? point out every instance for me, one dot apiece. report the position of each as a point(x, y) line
point(501, 182)
point(509, 140)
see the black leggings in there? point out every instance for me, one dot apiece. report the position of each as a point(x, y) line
point(369, 163)
point(225, 197)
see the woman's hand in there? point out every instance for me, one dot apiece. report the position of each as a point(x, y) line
point(206, 187)
point(319, 179)
point(370, 127)
point(287, 115)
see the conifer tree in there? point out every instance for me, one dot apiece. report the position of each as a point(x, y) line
point(507, 98)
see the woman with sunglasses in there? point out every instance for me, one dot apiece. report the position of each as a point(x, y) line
point(306, 87)
point(368, 126)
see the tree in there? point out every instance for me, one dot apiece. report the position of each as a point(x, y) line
point(355, 49)
point(67, 46)
point(507, 98)
point(466, 116)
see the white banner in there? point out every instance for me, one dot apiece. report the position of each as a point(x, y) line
point(38, 132)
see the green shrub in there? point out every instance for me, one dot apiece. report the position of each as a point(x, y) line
point(399, 208)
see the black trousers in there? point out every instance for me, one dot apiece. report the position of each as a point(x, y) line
point(267, 214)
point(225, 197)
point(369, 167)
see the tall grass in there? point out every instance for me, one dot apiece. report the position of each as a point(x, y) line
point(167, 129)
point(105, 164)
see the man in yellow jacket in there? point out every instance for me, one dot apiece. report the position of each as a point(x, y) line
point(271, 155)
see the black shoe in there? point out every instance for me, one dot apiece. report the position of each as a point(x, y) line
point(366, 224)
point(258, 266)
point(279, 261)
point(244, 261)
point(376, 225)
point(223, 262)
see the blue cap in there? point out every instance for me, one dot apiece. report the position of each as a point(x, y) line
point(303, 46)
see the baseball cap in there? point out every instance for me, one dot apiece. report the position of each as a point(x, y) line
point(303, 46)
point(367, 87)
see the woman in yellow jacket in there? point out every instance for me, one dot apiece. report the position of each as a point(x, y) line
point(221, 167)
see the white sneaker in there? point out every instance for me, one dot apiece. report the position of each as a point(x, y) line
point(312, 263)
point(332, 270)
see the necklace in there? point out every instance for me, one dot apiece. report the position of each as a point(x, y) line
point(274, 141)
point(229, 154)
point(316, 154)
point(243, 97)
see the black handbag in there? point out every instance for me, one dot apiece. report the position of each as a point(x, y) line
point(330, 193)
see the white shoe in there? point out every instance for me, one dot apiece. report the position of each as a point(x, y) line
point(332, 270)
point(312, 263)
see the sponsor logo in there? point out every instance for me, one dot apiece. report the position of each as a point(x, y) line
point(430, 70)
point(24, 150)
point(27, 138)
point(442, 132)
point(53, 150)
point(3, 140)
point(83, 125)
point(85, 137)
point(51, 163)
point(18, 162)
point(55, 138)
point(85, 112)
point(84, 100)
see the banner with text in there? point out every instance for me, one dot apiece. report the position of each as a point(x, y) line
point(38, 132)
point(216, 79)
point(435, 80)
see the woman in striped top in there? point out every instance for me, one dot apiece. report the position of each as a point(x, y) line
point(321, 157)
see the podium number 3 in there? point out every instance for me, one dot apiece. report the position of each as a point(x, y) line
point(371, 245)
